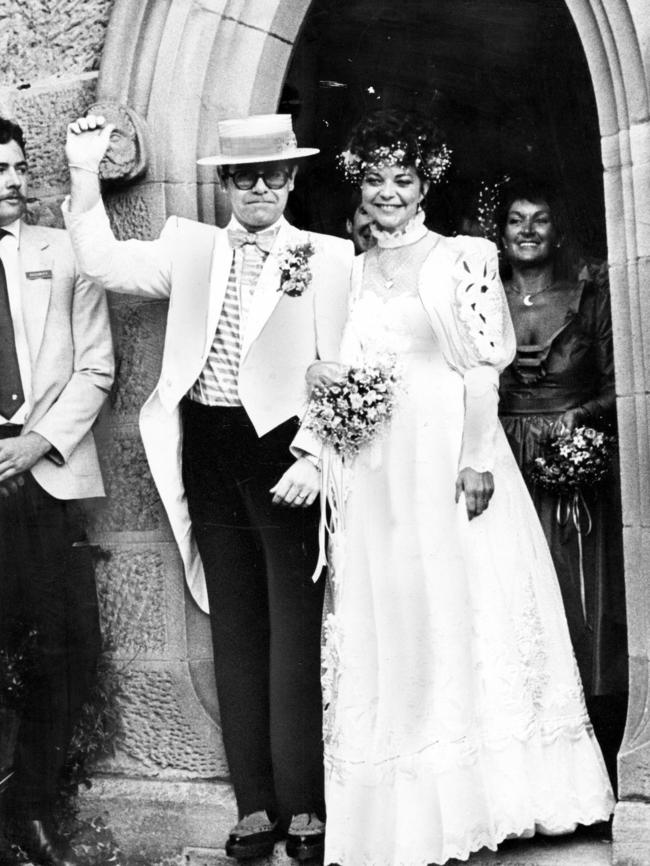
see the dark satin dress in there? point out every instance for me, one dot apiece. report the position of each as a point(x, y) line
point(574, 368)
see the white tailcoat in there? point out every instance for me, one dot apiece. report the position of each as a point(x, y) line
point(189, 264)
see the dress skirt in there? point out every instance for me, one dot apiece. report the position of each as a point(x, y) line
point(454, 712)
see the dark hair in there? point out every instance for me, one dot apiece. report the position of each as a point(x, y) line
point(387, 127)
point(566, 259)
point(10, 131)
point(353, 202)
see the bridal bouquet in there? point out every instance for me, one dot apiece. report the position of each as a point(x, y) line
point(574, 460)
point(349, 413)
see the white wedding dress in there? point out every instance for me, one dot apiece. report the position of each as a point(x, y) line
point(454, 714)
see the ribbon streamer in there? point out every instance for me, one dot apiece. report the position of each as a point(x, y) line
point(331, 494)
point(576, 510)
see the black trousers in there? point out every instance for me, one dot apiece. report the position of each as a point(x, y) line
point(48, 585)
point(265, 609)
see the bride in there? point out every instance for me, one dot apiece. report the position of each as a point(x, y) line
point(454, 711)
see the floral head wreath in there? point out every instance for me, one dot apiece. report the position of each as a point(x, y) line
point(432, 164)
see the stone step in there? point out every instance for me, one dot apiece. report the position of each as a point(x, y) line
point(537, 852)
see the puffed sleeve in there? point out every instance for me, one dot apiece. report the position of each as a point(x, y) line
point(476, 334)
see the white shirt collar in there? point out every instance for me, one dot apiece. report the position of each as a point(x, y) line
point(14, 229)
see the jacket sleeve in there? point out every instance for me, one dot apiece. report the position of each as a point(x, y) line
point(330, 315)
point(477, 338)
point(75, 410)
point(132, 267)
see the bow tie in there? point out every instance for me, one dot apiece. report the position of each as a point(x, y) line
point(262, 240)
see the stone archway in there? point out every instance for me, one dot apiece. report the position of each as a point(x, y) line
point(181, 64)
point(613, 36)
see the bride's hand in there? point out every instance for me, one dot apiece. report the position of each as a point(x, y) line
point(478, 488)
point(322, 374)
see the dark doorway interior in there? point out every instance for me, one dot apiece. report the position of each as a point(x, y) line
point(507, 79)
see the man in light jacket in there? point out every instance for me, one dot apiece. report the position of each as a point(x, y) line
point(56, 368)
point(250, 307)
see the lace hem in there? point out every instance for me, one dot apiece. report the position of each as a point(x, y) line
point(481, 838)
point(422, 817)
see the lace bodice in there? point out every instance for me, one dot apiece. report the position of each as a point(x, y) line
point(387, 315)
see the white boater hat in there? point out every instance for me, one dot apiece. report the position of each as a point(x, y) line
point(259, 138)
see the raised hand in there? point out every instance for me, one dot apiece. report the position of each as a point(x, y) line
point(87, 141)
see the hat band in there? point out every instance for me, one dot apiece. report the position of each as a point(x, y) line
point(270, 144)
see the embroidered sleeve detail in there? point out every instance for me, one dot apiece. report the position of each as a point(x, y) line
point(481, 308)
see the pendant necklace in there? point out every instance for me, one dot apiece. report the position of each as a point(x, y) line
point(528, 298)
point(401, 262)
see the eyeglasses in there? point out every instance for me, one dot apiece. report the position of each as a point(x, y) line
point(246, 178)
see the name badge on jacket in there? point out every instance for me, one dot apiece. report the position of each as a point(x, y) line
point(39, 275)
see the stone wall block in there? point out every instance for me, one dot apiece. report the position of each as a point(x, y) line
point(165, 727)
point(640, 281)
point(606, 80)
point(631, 834)
point(637, 619)
point(626, 56)
point(136, 211)
point(275, 54)
point(634, 755)
point(640, 146)
point(621, 324)
point(44, 112)
point(178, 88)
point(181, 198)
point(131, 593)
point(132, 503)
point(153, 818)
point(124, 48)
point(643, 439)
point(613, 160)
point(287, 17)
point(138, 329)
point(40, 38)
point(629, 458)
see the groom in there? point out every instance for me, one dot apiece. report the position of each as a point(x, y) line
point(250, 307)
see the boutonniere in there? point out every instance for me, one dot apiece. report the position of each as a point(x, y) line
point(295, 273)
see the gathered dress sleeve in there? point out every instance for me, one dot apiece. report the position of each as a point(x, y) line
point(469, 312)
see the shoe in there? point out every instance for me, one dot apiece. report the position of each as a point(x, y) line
point(253, 836)
point(306, 837)
point(41, 845)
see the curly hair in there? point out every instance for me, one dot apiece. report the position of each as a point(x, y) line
point(10, 131)
point(419, 141)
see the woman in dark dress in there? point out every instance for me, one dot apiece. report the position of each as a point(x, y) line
point(562, 378)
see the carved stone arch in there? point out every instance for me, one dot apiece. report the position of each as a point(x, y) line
point(183, 64)
point(613, 40)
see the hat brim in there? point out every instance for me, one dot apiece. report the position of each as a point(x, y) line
point(250, 159)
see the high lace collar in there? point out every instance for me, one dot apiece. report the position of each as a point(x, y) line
point(414, 230)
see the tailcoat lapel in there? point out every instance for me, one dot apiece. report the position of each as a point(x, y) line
point(267, 294)
point(217, 283)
